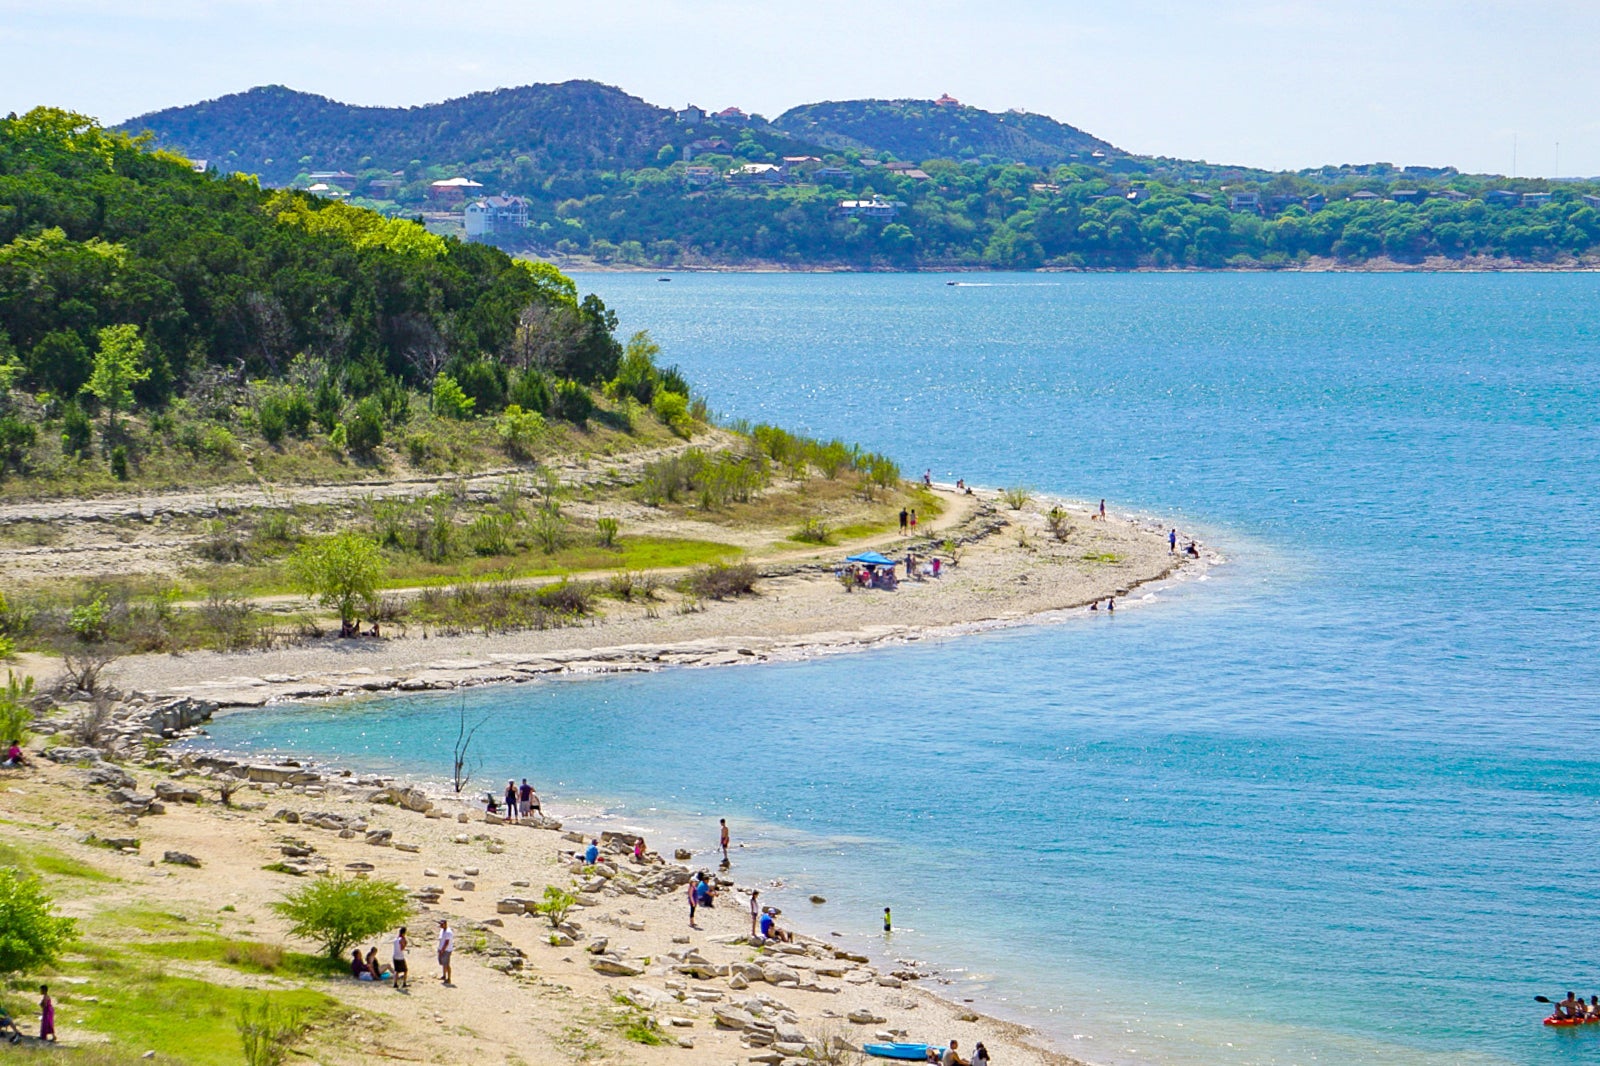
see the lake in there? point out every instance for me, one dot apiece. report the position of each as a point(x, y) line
point(1338, 803)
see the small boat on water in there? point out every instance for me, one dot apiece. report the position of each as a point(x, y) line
point(911, 1052)
point(1556, 1019)
point(663, 279)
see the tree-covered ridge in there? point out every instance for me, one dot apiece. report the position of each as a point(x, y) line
point(928, 129)
point(535, 129)
point(648, 187)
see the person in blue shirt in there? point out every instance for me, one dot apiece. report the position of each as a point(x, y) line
point(592, 855)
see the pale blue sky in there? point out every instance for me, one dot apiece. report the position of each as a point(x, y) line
point(1278, 83)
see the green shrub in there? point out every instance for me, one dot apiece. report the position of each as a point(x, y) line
point(520, 431)
point(337, 912)
point(119, 462)
point(490, 534)
point(673, 410)
point(572, 403)
point(606, 529)
point(395, 400)
point(77, 434)
point(421, 447)
point(272, 419)
point(88, 621)
point(218, 443)
point(297, 412)
point(1017, 497)
point(266, 1033)
point(15, 713)
point(567, 597)
point(557, 903)
point(327, 404)
point(530, 391)
point(814, 531)
point(364, 431)
point(721, 580)
point(16, 438)
point(449, 401)
point(485, 383)
point(32, 936)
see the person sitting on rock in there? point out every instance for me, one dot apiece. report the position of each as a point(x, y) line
point(704, 894)
point(952, 1057)
point(770, 930)
point(591, 854)
point(638, 850)
point(14, 756)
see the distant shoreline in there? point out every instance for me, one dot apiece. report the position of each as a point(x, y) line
point(1316, 265)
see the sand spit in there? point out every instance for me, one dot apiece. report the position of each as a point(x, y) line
point(1011, 569)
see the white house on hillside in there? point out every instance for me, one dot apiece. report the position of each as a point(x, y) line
point(496, 216)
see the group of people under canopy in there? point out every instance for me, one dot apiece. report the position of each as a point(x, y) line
point(874, 570)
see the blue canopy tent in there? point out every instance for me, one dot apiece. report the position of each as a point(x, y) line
point(871, 559)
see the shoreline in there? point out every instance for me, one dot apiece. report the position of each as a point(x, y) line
point(1036, 581)
point(800, 613)
point(1315, 265)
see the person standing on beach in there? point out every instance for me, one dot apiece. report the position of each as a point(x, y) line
point(1172, 542)
point(724, 823)
point(47, 1015)
point(913, 519)
point(399, 957)
point(905, 516)
point(888, 926)
point(1102, 510)
point(511, 801)
point(693, 902)
point(447, 944)
point(755, 912)
point(524, 798)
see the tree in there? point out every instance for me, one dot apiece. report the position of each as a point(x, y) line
point(32, 936)
point(463, 762)
point(342, 572)
point(336, 912)
point(118, 367)
point(15, 714)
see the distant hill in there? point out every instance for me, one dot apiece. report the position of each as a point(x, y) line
point(277, 132)
point(926, 129)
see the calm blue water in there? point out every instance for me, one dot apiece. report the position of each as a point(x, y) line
point(1338, 804)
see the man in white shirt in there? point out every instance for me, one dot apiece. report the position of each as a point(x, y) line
point(447, 944)
point(400, 979)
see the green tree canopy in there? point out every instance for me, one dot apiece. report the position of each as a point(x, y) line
point(342, 572)
point(32, 935)
point(118, 367)
point(336, 912)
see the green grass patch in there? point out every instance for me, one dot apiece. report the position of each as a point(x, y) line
point(249, 956)
point(185, 1019)
point(1102, 557)
point(49, 863)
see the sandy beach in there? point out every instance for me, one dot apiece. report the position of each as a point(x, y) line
point(1011, 569)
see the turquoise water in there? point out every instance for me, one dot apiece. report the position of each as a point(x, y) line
point(1336, 804)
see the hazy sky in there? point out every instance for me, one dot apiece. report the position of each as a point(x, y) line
point(1276, 83)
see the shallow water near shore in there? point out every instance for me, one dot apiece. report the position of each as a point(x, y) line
point(1352, 777)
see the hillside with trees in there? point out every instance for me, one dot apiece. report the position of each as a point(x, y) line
point(604, 178)
point(940, 129)
point(159, 324)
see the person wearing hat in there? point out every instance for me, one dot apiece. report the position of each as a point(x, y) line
point(447, 944)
